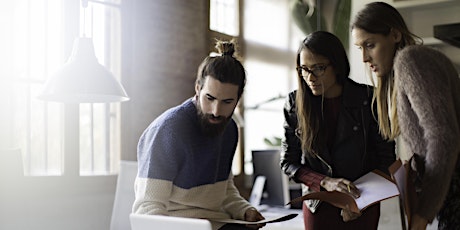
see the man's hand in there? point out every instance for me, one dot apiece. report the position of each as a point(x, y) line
point(340, 185)
point(253, 215)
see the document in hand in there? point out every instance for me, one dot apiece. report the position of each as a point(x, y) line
point(374, 187)
point(266, 221)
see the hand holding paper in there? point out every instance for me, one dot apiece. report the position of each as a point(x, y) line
point(374, 187)
point(253, 215)
point(340, 185)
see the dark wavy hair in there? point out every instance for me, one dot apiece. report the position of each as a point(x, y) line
point(309, 107)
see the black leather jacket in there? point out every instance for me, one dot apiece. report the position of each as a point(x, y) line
point(358, 147)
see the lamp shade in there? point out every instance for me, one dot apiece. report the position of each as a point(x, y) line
point(83, 80)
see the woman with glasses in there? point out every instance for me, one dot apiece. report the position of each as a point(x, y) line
point(331, 136)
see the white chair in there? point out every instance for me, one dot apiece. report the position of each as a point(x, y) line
point(124, 199)
point(124, 196)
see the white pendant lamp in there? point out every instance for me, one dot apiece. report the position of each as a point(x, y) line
point(83, 80)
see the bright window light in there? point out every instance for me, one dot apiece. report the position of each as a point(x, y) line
point(34, 45)
point(224, 16)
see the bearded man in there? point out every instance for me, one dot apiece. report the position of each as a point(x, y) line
point(185, 155)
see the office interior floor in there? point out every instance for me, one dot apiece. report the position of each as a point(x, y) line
point(390, 216)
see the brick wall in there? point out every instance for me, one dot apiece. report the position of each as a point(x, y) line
point(163, 43)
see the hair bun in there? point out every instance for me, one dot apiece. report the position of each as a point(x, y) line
point(226, 47)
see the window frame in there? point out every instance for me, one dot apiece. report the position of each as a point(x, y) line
point(33, 136)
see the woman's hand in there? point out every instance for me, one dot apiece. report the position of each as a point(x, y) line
point(340, 185)
point(344, 186)
point(253, 215)
point(348, 215)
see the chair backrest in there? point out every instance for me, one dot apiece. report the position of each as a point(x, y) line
point(124, 196)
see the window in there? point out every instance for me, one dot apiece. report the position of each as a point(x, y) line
point(224, 16)
point(37, 43)
point(224, 23)
point(271, 41)
point(100, 122)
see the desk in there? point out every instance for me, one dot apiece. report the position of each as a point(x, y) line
point(293, 224)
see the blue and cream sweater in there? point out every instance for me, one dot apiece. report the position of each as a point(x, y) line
point(184, 173)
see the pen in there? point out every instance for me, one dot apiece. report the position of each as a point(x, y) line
point(348, 186)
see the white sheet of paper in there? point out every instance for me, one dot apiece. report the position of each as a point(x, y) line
point(374, 187)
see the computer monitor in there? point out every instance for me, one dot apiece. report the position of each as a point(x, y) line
point(275, 191)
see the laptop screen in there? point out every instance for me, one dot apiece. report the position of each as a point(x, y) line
point(149, 222)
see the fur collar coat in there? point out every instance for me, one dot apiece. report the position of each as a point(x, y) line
point(428, 107)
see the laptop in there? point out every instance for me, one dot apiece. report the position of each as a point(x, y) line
point(150, 222)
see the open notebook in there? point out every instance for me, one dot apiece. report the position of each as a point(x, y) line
point(149, 222)
point(375, 186)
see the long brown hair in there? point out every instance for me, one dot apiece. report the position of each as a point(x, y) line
point(382, 18)
point(309, 107)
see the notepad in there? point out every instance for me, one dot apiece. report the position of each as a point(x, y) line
point(275, 219)
point(375, 186)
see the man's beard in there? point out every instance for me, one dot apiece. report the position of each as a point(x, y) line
point(210, 129)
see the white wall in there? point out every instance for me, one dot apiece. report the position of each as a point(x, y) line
point(52, 202)
point(56, 203)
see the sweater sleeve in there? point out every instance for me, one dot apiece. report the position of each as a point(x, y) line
point(310, 178)
point(152, 196)
point(428, 120)
point(159, 154)
point(158, 164)
point(234, 203)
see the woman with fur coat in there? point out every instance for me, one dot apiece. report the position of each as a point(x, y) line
point(428, 108)
point(417, 96)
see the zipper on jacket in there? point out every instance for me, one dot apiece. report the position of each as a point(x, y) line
point(324, 162)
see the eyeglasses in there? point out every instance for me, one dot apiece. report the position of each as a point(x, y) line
point(317, 71)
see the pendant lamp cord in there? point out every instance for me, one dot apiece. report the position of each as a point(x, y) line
point(84, 4)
